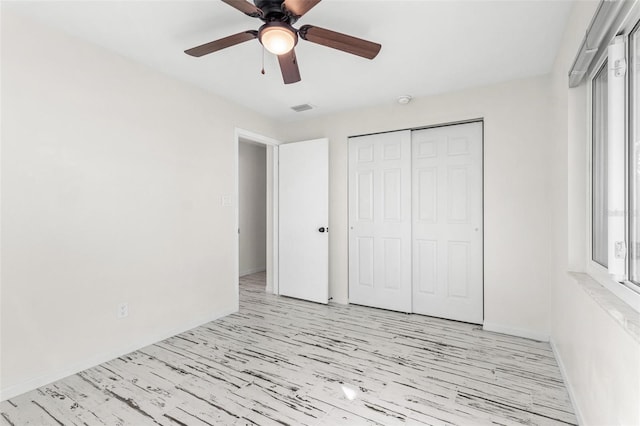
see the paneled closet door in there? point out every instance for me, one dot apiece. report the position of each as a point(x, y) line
point(447, 222)
point(380, 220)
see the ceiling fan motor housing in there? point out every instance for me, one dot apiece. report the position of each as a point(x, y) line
point(273, 10)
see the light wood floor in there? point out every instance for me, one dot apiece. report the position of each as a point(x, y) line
point(284, 361)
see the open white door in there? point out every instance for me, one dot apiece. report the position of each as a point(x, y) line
point(304, 219)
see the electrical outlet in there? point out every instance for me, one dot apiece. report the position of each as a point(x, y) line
point(123, 310)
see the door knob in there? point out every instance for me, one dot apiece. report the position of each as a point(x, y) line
point(323, 229)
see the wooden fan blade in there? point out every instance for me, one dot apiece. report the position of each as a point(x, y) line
point(245, 7)
point(299, 7)
point(289, 67)
point(335, 40)
point(214, 46)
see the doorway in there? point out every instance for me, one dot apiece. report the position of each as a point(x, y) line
point(252, 207)
point(257, 147)
point(307, 177)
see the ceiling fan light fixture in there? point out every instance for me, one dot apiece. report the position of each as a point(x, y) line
point(278, 38)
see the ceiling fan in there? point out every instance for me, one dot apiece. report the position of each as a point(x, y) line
point(279, 37)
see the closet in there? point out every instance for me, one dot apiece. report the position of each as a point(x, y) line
point(415, 221)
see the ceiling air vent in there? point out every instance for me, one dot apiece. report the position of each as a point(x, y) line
point(303, 107)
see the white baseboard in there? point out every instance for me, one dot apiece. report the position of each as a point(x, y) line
point(252, 271)
point(42, 380)
point(513, 331)
point(567, 383)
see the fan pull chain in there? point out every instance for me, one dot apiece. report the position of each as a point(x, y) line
point(262, 61)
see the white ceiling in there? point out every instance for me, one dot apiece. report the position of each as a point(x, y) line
point(428, 47)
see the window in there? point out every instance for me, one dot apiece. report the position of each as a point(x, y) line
point(615, 163)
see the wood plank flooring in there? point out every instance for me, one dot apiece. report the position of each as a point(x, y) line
point(281, 361)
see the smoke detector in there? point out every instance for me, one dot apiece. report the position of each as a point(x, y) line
point(404, 99)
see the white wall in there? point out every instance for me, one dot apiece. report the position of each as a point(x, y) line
point(112, 177)
point(599, 358)
point(516, 190)
point(252, 205)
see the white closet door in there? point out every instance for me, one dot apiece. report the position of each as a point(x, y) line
point(380, 220)
point(447, 222)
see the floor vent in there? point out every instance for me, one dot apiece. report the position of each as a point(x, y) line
point(303, 107)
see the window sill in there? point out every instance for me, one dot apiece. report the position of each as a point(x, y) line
point(621, 312)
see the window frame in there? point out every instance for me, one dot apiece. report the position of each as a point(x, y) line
point(631, 134)
point(602, 67)
point(628, 291)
